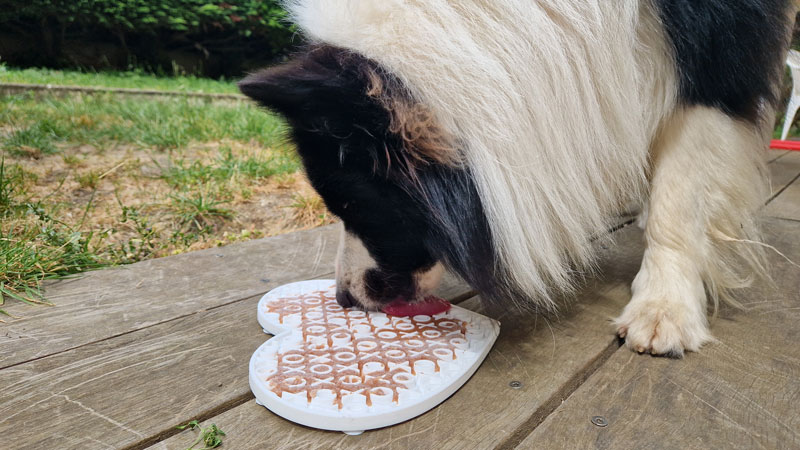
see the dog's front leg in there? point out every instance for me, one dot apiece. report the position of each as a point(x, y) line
point(705, 183)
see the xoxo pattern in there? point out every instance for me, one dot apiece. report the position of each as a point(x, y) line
point(344, 352)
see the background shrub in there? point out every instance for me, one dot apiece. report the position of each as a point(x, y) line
point(209, 37)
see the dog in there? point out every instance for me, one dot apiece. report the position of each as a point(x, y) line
point(500, 138)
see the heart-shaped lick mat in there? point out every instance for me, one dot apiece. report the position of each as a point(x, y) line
point(348, 370)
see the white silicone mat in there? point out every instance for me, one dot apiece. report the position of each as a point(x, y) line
point(351, 371)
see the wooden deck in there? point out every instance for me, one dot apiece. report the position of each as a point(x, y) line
point(127, 354)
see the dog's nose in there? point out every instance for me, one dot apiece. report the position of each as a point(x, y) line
point(344, 299)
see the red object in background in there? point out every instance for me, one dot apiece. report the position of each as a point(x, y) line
point(784, 145)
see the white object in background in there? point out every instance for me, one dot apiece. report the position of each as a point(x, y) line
point(793, 61)
point(350, 371)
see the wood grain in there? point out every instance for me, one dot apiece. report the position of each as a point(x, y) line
point(112, 302)
point(783, 171)
point(785, 203)
point(773, 154)
point(546, 355)
point(741, 392)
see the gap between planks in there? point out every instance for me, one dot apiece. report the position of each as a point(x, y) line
point(559, 396)
point(133, 330)
point(539, 416)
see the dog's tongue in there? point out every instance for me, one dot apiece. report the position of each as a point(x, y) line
point(430, 306)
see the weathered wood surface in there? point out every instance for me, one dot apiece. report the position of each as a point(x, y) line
point(110, 302)
point(549, 356)
point(773, 154)
point(784, 170)
point(786, 204)
point(138, 386)
point(739, 393)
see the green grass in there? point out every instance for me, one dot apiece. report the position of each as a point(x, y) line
point(228, 167)
point(132, 80)
point(40, 124)
point(199, 209)
point(33, 245)
point(216, 151)
point(32, 140)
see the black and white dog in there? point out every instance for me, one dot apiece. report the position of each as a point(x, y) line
point(499, 138)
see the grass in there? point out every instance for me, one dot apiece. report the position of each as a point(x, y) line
point(136, 79)
point(38, 125)
point(89, 181)
point(33, 245)
point(228, 167)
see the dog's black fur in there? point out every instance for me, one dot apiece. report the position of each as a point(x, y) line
point(727, 51)
point(408, 214)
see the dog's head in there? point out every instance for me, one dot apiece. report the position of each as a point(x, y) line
point(365, 145)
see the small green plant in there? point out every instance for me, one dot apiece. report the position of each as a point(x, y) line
point(199, 210)
point(144, 245)
point(88, 180)
point(310, 210)
point(210, 437)
point(10, 184)
point(34, 140)
point(71, 160)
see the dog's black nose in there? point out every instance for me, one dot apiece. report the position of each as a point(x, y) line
point(344, 299)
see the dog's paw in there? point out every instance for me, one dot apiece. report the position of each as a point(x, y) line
point(662, 328)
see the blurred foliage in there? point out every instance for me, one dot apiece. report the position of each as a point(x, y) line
point(221, 33)
point(245, 16)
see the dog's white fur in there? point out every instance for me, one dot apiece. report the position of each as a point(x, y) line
point(693, 214)
point(565, 112)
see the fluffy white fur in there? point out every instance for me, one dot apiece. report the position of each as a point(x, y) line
point(694, 216)
point(557, 144)
point(556, 106)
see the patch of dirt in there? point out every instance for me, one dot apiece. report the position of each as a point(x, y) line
point(95, 188)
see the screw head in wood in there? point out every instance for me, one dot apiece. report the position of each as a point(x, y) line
point(600, 421)
point(515, 384)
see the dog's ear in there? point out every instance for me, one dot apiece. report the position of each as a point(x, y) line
point(288, 89)
point(333, 91)
point(317, 82)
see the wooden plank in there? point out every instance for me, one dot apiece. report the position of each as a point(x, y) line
point(550, 357)
point(134, 387)
point(111, 302)
point(783, 171)
point(787, 204)
point(741, 392)
point(773, 154)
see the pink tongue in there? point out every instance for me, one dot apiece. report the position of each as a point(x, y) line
point(428, 307)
